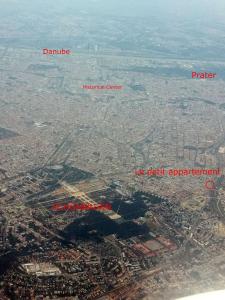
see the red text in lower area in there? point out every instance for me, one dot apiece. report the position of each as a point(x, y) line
point(47, 51)
point(179, 172)
point(203, 75)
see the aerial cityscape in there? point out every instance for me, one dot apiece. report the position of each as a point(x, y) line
point(112, 150)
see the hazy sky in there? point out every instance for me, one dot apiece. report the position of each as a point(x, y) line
point(163, 8)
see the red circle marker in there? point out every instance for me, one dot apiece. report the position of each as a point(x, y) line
point(210, 184)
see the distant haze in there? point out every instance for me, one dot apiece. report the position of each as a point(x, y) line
point(187, 9)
